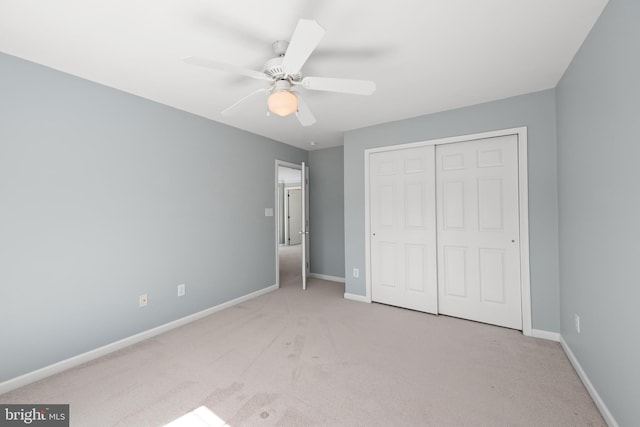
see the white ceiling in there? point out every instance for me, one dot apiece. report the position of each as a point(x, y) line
point(424, 55)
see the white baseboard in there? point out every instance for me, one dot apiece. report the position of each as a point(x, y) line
point(327, 277)
point(545, 335)
point(604, 411)
point(355, 297)
point(74, 361)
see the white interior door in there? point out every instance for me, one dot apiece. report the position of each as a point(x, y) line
point(294, 216)
point(403, 229)
point(305, 225)
point(478, 231)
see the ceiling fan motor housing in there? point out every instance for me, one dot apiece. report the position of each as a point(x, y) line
point(273, 68)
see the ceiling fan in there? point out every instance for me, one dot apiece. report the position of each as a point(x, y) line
point(283, 72)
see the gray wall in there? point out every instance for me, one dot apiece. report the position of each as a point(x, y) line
point(537, 112)
point(105, 196)
point(598, 102)
point(326, 190)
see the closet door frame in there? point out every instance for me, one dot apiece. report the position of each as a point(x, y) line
point(523, 208)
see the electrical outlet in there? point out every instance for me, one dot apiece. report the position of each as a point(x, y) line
point(181, 289)
point(576, 321)
point(356, 272)
point(142, 300)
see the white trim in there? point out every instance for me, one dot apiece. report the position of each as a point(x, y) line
point(523, 196)
point(367, 229)
point(74, 361)
point(523, 199)
point(285, 214)
point(358, 298)
point(327, 277)
point(545, 335)
point(604, 411)
point(306, 248)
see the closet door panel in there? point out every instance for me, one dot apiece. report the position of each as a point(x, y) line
point(478, 231)
point(402, 223)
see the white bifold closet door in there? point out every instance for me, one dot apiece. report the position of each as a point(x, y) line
point(444, 225)
point(478, 231)
point(402, 222)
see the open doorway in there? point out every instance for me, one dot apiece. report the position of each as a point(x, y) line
point(292, 215)
point(289, 220)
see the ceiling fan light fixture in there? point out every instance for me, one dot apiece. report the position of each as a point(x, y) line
point(283, 103)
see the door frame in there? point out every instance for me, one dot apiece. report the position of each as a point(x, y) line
point(523, 208)
point(278, 213)
point(306, 249)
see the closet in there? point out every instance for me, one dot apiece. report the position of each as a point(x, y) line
point(444, 228)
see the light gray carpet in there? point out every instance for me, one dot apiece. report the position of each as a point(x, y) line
point(295, 358)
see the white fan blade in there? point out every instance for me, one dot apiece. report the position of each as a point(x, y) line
point(304, 40)
point(304, 114)
point(229, 109)
point(356, 87)
point(217, 65)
